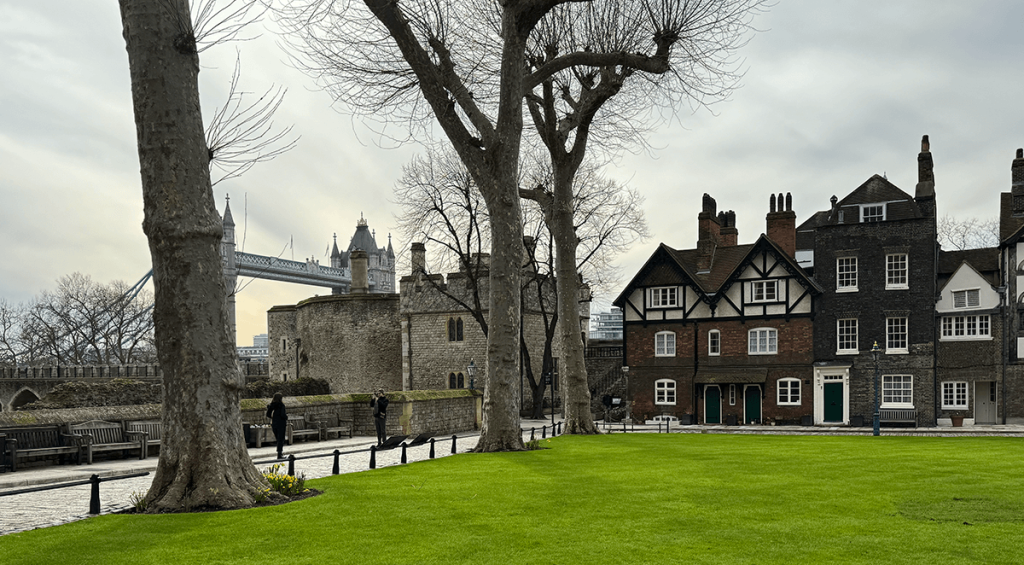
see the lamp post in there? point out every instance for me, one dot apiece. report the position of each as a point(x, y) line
point(629, 398)
point(874, 355)
point(472, 372)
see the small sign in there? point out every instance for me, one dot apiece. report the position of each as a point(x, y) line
point(616, 401)
point(547, 379)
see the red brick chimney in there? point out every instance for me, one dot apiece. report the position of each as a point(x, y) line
point(1017, 183)
point(729, 234)
point(708, 233)
point(782, 224)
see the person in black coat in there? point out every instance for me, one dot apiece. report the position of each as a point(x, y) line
point(278, 422)
point(379, 403)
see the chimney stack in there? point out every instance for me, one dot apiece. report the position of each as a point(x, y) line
point(360, 280)
point(708, 233)
point(781, 223)
point(925, 193)
point(419, 258)
point(729, 234)
point(1017, 183)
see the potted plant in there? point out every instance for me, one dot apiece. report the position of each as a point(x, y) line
point(957, 418)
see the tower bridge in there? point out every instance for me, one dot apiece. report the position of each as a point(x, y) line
point(337, 277)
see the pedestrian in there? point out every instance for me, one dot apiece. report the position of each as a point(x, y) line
point(278, 421)
point(379, 403)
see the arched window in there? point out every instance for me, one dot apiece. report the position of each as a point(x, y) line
point(455, 329)
point(462, 381)
point(665, 391)
point(22, 398)
point(452, 382)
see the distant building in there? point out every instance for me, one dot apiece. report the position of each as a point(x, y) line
point(258, 351)
point(607, 325)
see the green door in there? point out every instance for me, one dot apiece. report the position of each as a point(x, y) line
point(712, 405)
point(833, 402)
point(752, 402)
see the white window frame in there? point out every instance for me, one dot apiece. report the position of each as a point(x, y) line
point(764, 291)
point(665, 392)
point(855, 337)
point(791, 387)
point(904, 398)
point(732, 395)
point(893, 343)
point(846, 280)
point(663, 297)
point(897, 276)
point(663, 346)
point(768, 345)
point(714, 343)
point(955, 395)
point(864, 207)
point(966, 328)
point(967, 298)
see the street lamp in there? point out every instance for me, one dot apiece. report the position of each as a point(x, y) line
point(629, 398)
point(875, 351)
point(472, 372)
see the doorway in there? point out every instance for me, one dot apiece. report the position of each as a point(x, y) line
point(712, 404)
point(985, 403)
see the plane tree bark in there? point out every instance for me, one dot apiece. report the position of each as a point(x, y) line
point(203, 460)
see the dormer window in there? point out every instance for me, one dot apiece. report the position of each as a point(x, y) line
point(966, 298)
point(872, 213)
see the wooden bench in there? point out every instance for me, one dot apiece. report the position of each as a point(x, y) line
point(37, 441)
point(299, 426)
point(99, 436)
point(151, 428)
point(330, 424)
point(897, 416)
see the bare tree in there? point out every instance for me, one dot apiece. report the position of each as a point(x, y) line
point(441, 205)
point(971, 233)
point(201, 380)
point(601, 90)
point(11, 345)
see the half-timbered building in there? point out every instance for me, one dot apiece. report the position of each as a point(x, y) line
point(722, 333)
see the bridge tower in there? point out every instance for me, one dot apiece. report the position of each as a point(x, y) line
point(227, 255)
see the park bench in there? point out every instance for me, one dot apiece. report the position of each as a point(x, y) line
point(99, 436)
point(299, 426)
point(897, 416)
point(331, 424)
point(152, 430)
point(37, 441)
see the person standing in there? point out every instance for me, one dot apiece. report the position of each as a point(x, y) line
point(379, 403)
point(278, 421)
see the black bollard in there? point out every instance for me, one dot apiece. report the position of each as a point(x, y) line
point(291, 465)
point(94, 500)
point(560, 428)
point(533, 432)
point(623, 427)
point(337, 467)
point(543, 432)
point(431, 448)
point(453, 444)
point(404, 460)
point(373, 456)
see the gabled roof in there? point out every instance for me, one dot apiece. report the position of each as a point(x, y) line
point(984, 261)
point(900, 205)
point(668, 266)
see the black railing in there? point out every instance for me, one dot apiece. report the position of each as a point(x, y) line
point(94, 494)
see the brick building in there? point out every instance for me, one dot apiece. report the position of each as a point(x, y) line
point(722, 333)
point(874, 253)
point(1011, 263)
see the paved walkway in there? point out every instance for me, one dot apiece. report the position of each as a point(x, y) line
point(28, 511)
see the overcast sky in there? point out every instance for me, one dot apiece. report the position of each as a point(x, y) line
point(834, 92)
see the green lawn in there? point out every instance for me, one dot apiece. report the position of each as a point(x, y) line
point(639, 498)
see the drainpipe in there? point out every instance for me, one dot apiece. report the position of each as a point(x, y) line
point(696, 365)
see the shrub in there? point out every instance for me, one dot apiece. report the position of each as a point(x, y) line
point(285, 484)
point(115, 392)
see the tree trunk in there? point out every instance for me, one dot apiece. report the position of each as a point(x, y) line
point(575, 389)
point(203, 459)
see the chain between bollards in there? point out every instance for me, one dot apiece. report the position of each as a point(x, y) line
point(373, 456)
point(337, 466)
